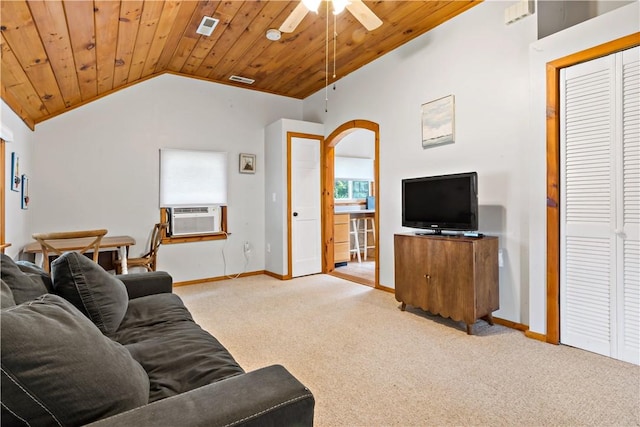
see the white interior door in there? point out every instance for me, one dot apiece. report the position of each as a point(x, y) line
point(600, 186)
point(306, 256)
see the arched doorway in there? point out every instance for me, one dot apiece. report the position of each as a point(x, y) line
point(328, 201)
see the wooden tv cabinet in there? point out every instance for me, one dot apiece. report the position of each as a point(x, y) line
point(453, 276)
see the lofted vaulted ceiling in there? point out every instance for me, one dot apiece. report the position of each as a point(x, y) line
point(57, 55)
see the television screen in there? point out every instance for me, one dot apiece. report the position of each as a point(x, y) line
point(444, 202)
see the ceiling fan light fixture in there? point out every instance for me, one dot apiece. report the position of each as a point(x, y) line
point(312, 5)
point(339, 5)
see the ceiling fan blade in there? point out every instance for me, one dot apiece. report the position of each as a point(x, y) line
point(289, 25)
point(363, 14)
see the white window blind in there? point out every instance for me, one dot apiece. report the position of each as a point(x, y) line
point(353, 168)
point(192, 178)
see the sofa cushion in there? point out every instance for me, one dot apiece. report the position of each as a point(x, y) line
point(177, 354)
point(6, 296)
point(36, 273)
point(24, 287)
point(59, 369)
point(96, 293)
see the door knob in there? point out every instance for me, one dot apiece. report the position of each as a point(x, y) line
point(295, 214)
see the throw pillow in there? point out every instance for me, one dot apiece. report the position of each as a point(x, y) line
point(96, 293)
point(23, 286)
point(6, 296)
point(59, 369)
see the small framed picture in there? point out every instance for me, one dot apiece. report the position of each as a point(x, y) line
point(247, 163)
point(25, 192)
point(15, 172)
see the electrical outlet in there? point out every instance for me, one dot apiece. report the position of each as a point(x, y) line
point(247, 247)
point(268, 247)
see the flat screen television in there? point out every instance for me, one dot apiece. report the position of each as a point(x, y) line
point(444, 202)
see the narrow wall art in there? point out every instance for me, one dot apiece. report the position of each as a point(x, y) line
point(15, 172)
point(25, 192)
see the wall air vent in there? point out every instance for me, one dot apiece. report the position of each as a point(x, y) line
point(241, 80)
point(207, 26)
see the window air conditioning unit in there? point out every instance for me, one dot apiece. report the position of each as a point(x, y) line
point(195, 220)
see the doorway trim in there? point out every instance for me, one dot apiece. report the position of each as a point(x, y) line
point(553, 170)
point(328, 177)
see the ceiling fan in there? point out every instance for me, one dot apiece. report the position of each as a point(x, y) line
point(357, 8)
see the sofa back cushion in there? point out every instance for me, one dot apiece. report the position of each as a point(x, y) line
point(99, 295)
point(36, 272)
point(59, 369)
point(6, 296)
point(24, 286)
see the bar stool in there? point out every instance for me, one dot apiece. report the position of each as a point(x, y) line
point(355, 225)
point(369, 221)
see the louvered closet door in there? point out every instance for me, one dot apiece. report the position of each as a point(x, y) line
point(629, 209)
point(599, 293)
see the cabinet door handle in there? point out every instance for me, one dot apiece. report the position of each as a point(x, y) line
point(426, 276)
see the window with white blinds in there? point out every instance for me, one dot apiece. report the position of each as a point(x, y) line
point(192, 178)
point(600, 211)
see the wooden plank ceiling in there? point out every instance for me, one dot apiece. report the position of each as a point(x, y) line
point(57, 55)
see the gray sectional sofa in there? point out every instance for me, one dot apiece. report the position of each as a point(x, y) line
point(85, 347)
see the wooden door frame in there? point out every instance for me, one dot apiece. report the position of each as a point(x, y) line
point(2, 195)
point(553, 170)
point(290, 136)
point(328, 178)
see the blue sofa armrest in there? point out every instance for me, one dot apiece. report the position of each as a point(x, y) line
point(269, 396)
point(143, 284)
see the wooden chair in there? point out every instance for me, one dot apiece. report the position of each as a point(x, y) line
point(81, 241)
point(148, 260)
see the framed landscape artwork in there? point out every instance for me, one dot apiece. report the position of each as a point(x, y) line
point(438, 122)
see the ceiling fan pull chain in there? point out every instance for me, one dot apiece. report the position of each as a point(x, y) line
point(335, 42)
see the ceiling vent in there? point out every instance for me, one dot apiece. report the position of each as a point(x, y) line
point(207, 26)
point(241, 80)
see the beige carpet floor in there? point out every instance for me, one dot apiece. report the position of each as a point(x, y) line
point(370, 364)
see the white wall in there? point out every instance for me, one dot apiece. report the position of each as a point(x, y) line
point(485, 65)
point(97, 166)
point(17, 227)
point(610, 26)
